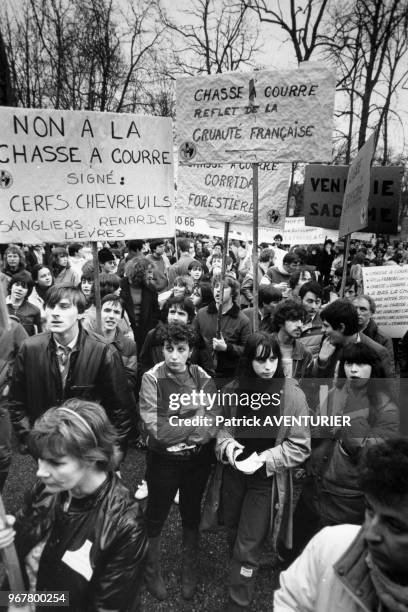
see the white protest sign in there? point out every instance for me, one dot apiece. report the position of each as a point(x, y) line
point(297, 232)
point(260, 116)
point(187, 223)
point(365, 236)
point(84, 176)
point(388, 286)
point(225, 192)
point(354, 214)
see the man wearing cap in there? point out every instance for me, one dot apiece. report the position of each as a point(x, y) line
point(160, 279)
point(107, 261)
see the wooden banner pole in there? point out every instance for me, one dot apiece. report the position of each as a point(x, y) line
point(255, 194)
point(223, 268)
point(10, 559)
point(346, 256)
point(97, 287)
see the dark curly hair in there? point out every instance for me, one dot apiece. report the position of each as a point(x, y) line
point(178, 332)
point(384, 473)
point(341, 312)
point(184, 303)
point(135, 271)
point(289, 310)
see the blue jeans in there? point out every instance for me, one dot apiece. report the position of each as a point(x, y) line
point(164, 476)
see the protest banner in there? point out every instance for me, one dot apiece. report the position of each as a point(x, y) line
point(260, 116)
point(324, 191)
point(323, 194)
point(354, 213)
point(187, 223)
point(384, 199)
point(297, 232)
point(365, 236)
point(388, 286)
point(225, 193)
point(84, 176)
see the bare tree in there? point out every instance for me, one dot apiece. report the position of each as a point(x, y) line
point(302, 21)
point(367, 40)
point(80, 54)
point(213, 37)
point(6, 93)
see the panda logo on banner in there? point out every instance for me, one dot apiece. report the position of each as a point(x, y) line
point(273, 216)
point(6, 180)
point(187, 151)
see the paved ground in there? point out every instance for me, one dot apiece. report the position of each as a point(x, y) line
point(211, 594)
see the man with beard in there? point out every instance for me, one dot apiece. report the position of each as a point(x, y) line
point(297, 361)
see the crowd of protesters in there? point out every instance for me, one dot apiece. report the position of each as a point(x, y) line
point(180, 364)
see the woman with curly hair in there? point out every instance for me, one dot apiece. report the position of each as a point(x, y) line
point(61, 268)
point(140, 298)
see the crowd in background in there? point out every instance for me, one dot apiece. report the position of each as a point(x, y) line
point(160, 336)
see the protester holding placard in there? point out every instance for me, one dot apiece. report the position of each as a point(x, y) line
point(235, 329)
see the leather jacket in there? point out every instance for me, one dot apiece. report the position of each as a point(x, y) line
point(105, 530)
point(96, 373)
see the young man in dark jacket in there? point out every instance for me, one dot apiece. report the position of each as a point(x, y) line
point(235, 330)
point(66, 362)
